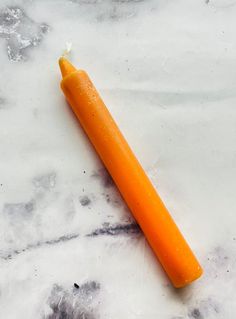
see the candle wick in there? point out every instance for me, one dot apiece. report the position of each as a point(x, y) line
point(67, 51)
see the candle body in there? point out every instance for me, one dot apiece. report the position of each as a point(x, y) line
point(138, 192)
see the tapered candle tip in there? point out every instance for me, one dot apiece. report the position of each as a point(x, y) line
point(66, 67)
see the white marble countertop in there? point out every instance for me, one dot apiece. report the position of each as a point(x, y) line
point(167, 72)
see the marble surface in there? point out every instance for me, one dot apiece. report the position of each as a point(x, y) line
point(68, 245)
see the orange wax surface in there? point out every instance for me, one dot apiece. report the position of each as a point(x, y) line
point(138, 192)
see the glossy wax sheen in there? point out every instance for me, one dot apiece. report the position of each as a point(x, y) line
point(138, 192)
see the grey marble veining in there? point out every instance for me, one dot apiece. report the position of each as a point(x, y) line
point(69, 247)
point(20, 32)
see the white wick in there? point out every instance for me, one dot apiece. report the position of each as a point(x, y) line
point(67, 50)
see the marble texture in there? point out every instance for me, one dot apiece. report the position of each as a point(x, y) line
point(167, 71)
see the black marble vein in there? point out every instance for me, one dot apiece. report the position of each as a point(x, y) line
point(114, 230)
point(105, 230)
point(39, 244)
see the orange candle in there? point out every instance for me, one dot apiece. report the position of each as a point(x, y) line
point(135, 187)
